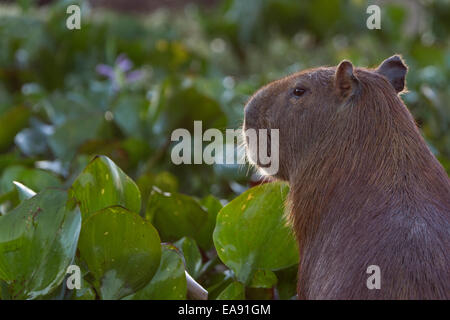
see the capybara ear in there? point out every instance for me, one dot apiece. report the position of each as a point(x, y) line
point(394, 69)
point(344, 80)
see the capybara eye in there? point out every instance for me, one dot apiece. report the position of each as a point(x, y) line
point(299, 92)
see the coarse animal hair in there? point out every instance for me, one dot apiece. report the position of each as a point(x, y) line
point(365, 188)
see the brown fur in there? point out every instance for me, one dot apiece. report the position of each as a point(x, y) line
point(365, 188)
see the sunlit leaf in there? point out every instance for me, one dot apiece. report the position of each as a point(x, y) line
point(252, 232)
point(37, 242)
point(191, 254)
point(86, 292)
point(263, 279)
point(121, 250)
point(169, 282)
point(24, 191)
point(177, 215)
point(35, 179)
point(235, 291)
point(103, 184)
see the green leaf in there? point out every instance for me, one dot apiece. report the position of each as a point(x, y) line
point(129, 113)
point(177, 215)
point(251, 232)
point(212, 205)
point(235, 291)
point(103, 184)
point(56, 294)
point(35, 179)
point(66, 138)
point(121, 250)
point(86, 292)
point(38, 240)
point(169, 282)
point(287, 282)
point(263, 279)
point(164, 181)
point(191, 254)
point(24, 191)
point(221, 281)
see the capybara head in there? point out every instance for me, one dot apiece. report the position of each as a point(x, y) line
point(323, 107)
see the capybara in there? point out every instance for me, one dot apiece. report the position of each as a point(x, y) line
point(365, 189)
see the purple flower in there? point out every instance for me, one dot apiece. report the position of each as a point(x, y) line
point(120, 73)
point(105, 70)
point(124, 63)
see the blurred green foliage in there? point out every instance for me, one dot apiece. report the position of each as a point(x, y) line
point(119, 86)
point(195, 64)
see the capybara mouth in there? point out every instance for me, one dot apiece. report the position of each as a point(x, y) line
point(255, 149)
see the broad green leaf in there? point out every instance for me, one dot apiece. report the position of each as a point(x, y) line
point(129, 114)
point(235, 291)
point(251, 232)
point(287, 282)
point(38, 240)
point(56, 294)
point(86, 292)
point(35, 179)
point(217, 282)
point(103, 184)
point(191, 254)
point(66, 138)
point(24, 191)
point(263, 279)
point(121, 250)
point(177, 215)
point(212, 205)
point(169, 282)
point(164, 181)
